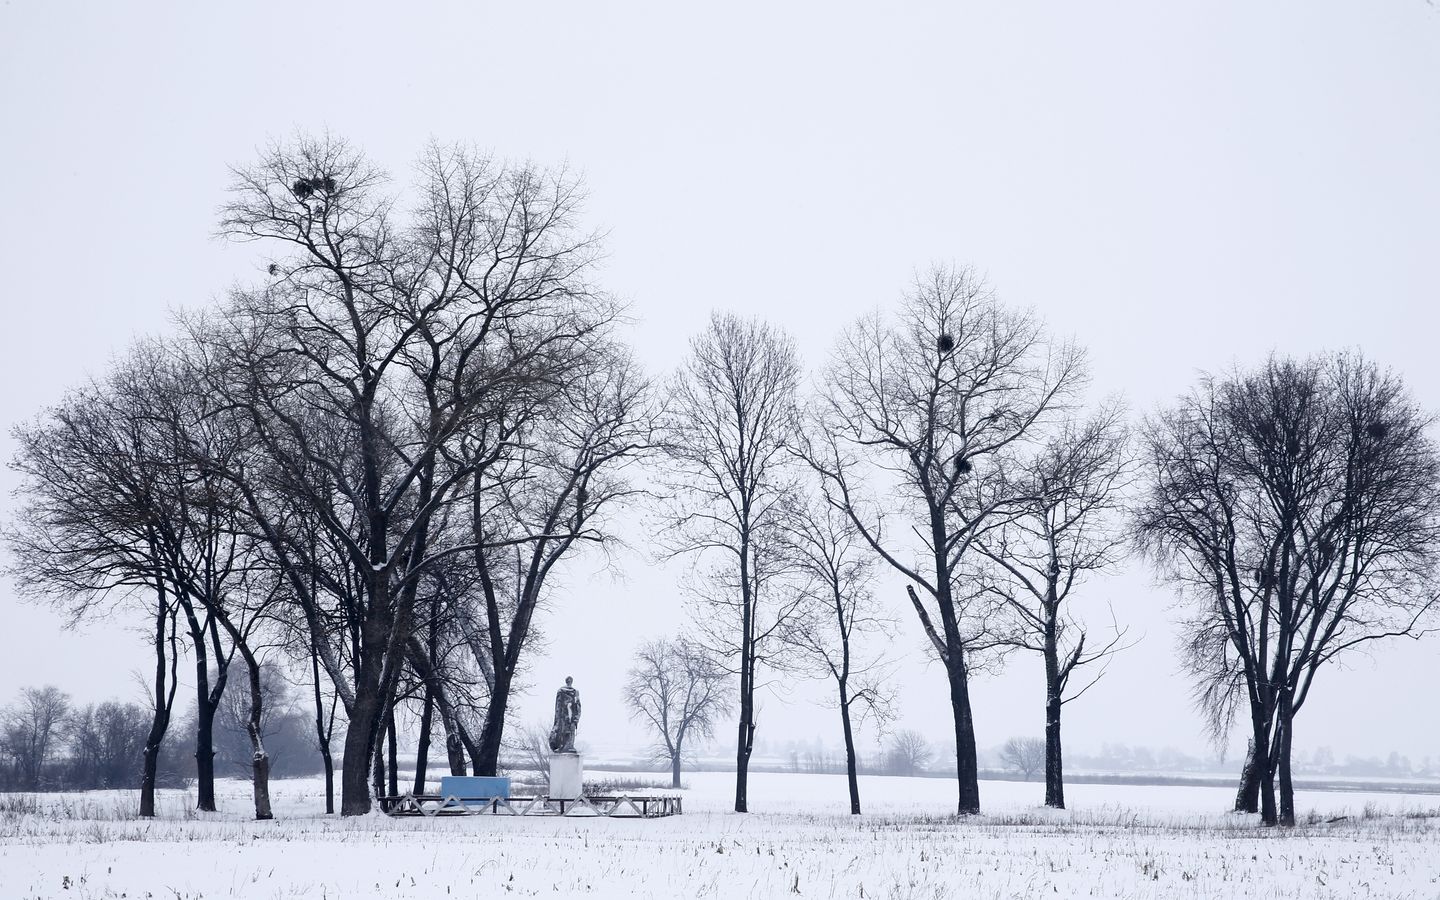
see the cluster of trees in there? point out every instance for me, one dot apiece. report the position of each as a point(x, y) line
point(1293, 507)
point(371, 461)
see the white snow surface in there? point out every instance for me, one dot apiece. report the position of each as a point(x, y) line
point(799, 841)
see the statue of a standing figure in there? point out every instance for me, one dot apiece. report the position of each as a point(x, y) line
point(567, 718)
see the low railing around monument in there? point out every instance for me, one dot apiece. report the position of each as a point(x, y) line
point(623, 806)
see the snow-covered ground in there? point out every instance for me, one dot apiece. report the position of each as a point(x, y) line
point(1115, 841)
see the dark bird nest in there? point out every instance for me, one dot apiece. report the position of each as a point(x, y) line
point(302, 188)
point(962, 466)
point(1377, 430)
point(273, 270)
point(946, 342)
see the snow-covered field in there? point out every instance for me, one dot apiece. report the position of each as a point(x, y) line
point(1126, 841)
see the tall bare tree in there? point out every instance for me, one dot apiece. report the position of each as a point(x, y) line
point(1295, 508)
point(1064, 527)
point(732, 409)
point(100, 502)
point(545, 498)
point(677, 689)
point(908, 412)
point(840, 616)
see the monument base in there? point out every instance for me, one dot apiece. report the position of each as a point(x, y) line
point(567, 776)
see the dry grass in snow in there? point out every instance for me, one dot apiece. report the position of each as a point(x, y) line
point(1171, 842)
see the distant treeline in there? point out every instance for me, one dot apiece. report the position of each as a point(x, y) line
point(48, 743)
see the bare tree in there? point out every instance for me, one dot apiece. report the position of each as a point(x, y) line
point(908, 753)
point(908, 413)
point(1294, 507)
point(1025, 755)
point(840, 614)
point(544, 498)
point(32, 728)
point(100, 496)
point(731, 413)
point(677, 689)
point(529, 748)
point(1064, 527)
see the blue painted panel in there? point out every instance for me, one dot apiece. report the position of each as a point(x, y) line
point(474, 787)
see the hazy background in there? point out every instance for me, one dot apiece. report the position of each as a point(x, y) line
point(1179, 188)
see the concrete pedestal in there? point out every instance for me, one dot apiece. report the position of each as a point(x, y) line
point(567, 776)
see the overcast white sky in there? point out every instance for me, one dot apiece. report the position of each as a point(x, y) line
point(1179, 186)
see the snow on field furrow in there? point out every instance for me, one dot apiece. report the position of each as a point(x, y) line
point(1157, 842)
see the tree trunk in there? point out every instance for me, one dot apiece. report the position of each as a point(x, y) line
point(675, 770)
point(422, 748)
point(392, 742)
point(967, 772)
point(494, 729)
point(1054, 763)
point(1267, 789)
point(362, 732)
point(851, 774)
point(329, 779)
point(147, 776)
point(1286, 716)
point(1247, 798)
point(205, 750)
point(745, 741)
point(322, 734)
point(377, 765)
point(259, 759)
point(160, 719)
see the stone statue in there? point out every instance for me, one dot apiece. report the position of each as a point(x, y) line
point(567, 718)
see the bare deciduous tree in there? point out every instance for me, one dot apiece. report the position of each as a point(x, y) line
point(32, 728)
point(1294, 507)
point(908, 413)
point(839, 617)
point(731, 413)
point(908, 753)
point(677, 689)
point(1025, 755)
point(1063, 527)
